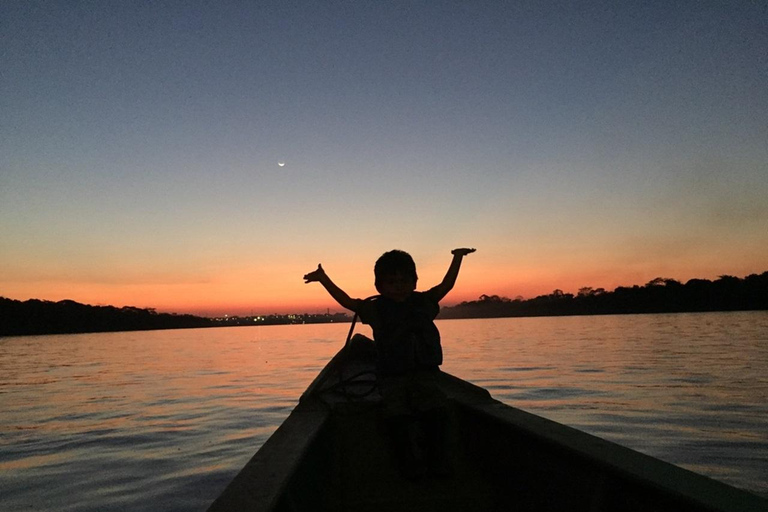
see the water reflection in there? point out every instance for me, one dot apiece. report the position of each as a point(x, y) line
point(686, 388)
point(162, 420)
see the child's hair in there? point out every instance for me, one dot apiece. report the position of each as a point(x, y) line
point(393, 262)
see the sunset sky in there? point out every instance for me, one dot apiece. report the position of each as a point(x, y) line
point(572, 143)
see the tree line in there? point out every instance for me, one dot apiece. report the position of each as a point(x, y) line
point(65, 317)
point(68, 317)
point(660, 295)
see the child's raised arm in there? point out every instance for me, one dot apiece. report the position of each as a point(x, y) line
point(449, 280)
point(337, 293)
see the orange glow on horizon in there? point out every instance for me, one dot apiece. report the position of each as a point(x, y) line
point(245, 289)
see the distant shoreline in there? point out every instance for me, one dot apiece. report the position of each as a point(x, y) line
point(660, 295)
point(727, 293)
point(342, 318)
point(39, 317)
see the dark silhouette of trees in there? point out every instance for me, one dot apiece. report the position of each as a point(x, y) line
point(660, 295)
point(67, 316)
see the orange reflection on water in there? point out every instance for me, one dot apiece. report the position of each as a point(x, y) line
point(166, 406)
point(32, 461)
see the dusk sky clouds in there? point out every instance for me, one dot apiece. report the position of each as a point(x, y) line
point(573, 143)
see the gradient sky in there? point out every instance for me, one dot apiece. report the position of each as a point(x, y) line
point(573, 143)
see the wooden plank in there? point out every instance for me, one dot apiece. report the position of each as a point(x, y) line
point(330, 455)
point(260, 484)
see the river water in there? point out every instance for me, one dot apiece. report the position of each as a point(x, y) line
point(162, 420)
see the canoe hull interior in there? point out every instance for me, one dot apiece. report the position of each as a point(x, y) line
point(339, 456)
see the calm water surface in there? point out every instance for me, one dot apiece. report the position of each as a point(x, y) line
point(162, 420)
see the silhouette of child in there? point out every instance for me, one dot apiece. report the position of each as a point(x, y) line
point(409, 353)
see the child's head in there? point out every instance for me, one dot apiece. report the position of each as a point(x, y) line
point(395, 274)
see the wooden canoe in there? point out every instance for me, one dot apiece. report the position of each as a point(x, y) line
point(332, 454)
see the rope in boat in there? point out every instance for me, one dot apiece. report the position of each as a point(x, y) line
point(351, 330)
point(342, 384)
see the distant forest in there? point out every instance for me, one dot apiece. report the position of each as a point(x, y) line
point(660, 295)
point(67, 316)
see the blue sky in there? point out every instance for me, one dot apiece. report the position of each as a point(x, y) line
point(574, 144)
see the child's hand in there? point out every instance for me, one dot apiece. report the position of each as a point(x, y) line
point(315, 275)
point(462, 252)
